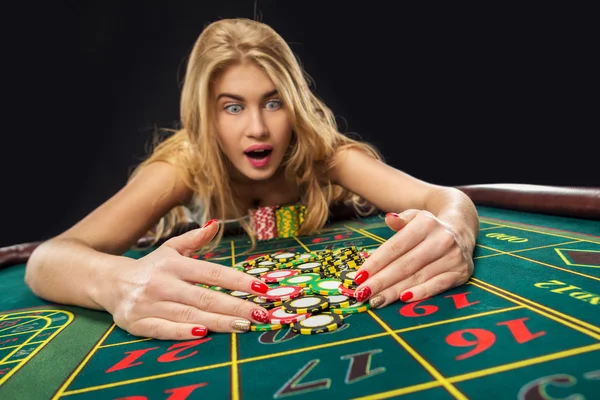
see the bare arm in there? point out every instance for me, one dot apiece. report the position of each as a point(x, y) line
point(436, 230)
point(72, 267)
point(392, 190)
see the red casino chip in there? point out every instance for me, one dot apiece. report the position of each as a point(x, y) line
point(346, 291)
point(276, 276)
point(278, 316)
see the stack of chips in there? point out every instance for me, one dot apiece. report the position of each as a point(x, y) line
point(310, 292)
point(272, 222)
point(263, 222)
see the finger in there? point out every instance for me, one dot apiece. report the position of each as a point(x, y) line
point(186, 243)
point(214, 322)
point(214, 274)
point(217, 302)
point(163, 329)
point(426, 253)
point(429, 281)
point(398, 221)
point(399, 244)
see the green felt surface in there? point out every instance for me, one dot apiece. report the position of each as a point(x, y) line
point(526, 326)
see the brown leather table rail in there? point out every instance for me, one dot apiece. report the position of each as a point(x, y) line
point(576, 202)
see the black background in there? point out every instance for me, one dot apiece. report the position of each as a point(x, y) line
point(453, 94)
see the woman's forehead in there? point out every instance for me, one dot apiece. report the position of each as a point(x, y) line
point(244, 80)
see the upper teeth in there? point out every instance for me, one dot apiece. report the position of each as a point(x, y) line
point(261, 150)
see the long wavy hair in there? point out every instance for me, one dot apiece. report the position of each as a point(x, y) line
point(194, 148)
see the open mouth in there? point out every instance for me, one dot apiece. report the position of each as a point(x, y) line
point(259, 154)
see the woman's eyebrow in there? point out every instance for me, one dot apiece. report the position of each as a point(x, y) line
point(240, 98)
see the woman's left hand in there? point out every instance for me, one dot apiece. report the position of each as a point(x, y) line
point(425, 257)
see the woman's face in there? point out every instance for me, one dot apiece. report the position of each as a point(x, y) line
point(252, 126)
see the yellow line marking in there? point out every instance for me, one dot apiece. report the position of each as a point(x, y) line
point(26, 332)
point(447, 321)
point(12, 362)
point(373, 336)
point(546, 233)
point(144, 379)
point(73, 374)
point(48, 321)
point(232, 253)
point(545, 314)
point(301, 244)
point(483, 372)
point(530, 249)
point(561, 255)
point(123, 343)
point(70, 318)
point(398, 392)
point(372, 236)
point(439, 377)
point(534, 304)
point(524, 363)
point(487, 228)
point(311, 348)
point(235, 395)
point(542, 263)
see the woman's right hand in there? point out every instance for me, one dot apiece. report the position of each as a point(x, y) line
point(157, 295)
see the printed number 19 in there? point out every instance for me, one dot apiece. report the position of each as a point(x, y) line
point(484, 339)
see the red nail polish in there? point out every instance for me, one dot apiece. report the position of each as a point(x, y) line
point(259, 287)
point(362, 294)
point(406, 296)
point(361, 277)
point(260, 316)
point(199, 331)
point(209, 222)
point(391, 215)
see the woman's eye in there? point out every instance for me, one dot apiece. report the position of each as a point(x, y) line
point(233, 108)
point(274, 104)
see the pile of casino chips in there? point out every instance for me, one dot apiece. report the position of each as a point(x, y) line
point(309, 292)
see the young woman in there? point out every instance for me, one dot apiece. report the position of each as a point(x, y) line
point(253, 134)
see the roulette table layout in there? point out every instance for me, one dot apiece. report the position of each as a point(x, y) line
point(525, 326)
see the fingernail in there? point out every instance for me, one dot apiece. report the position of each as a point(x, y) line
point(241, 325)
point(362, 294)
point(392, 215)
point(361, 277)
point(260, 316)
point(259, 287)
point(406, 296)
point(376, 301)
point(199, 331)
point(209, 223)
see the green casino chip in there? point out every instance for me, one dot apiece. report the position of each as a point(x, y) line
point(318, 323)
point(326, 286)
point(265, 327)
point(300, 280)
point(353, 309)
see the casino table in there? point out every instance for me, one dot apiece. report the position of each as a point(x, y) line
point(526, 326)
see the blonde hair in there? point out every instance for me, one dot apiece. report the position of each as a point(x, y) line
point(194, 148)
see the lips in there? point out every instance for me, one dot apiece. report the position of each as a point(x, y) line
point(259, 154)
